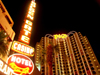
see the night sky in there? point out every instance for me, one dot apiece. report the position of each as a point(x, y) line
point(59, 16)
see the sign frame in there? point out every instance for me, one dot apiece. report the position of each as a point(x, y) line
point(21, 52)
point(17, 57)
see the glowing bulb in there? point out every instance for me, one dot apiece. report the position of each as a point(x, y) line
point(29, 22)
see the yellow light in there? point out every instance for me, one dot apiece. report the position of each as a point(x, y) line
point(25, 39)
point(27, 27)
point(18, 69)
point(60, 36)
point(29, 22)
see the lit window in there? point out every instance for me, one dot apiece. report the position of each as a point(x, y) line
point(89, 49)
point(98, 69)
point(92, 54)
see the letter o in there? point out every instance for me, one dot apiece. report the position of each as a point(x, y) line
point(18, 60)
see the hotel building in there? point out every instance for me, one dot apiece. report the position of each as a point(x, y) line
point(6, 24)
point(75, 56)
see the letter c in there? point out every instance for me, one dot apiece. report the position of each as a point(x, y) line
point(15, 44)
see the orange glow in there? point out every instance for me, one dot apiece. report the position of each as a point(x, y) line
point(60, 36)
point(31, 13)
point(26, 32)
point(25, 39)
point(30, 17)
point(19, 70)
point(29, 22)
point(22, 48)
point(27, 27)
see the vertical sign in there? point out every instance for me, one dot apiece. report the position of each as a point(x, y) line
point(25, 32)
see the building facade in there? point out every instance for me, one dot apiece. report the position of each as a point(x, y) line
point(75, 56)
point(6, 24)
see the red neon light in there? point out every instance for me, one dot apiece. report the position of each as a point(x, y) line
point(21, 64)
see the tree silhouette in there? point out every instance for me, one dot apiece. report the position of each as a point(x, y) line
point(3, 43)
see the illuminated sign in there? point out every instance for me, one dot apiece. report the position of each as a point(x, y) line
point(25, 39)
point(26, 30)
point(22, 48)
point(21, 64)
point(6, 69)
point(60, 36)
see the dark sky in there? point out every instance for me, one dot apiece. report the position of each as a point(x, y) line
point(59, 16)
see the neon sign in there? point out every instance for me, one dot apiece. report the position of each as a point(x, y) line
point(20, 64)
point(22, 48)
point(6, 69)
point(60, 36)
point(27, 27)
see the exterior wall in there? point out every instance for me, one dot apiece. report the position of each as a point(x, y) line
point(5, 13)
point(75, 56)
point(6, 24)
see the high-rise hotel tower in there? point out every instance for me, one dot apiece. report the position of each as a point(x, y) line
point(75, 56)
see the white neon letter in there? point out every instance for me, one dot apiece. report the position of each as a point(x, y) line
point(22, 48)
point(18, 60)
point(26, 62)
point(23, 60)
point(30, 64)
point(13, 58)
point(15, 44)
point(19, 47)
point(5, 69)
